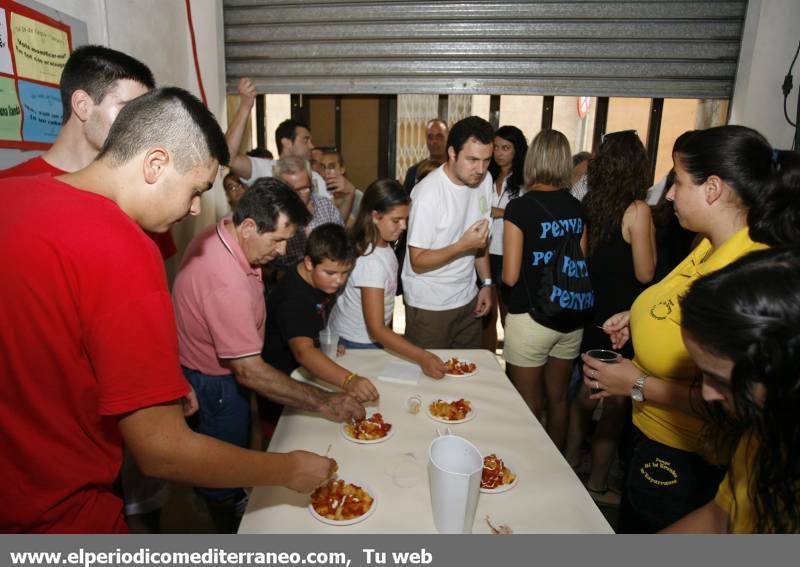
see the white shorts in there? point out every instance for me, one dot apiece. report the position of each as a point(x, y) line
point(529, 344)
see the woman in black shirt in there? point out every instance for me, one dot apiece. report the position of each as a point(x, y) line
point(539, 358)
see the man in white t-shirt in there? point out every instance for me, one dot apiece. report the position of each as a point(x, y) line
point(447, 243)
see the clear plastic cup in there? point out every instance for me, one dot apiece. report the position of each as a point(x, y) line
point(329, 343)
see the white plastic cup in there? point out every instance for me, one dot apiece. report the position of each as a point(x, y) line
point(454, 471)
point(329, 343)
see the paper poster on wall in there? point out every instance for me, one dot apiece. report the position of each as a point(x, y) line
point(10, 113)
point(42, 111)
point(40, 50)
point(5, 52)
point(33, 51)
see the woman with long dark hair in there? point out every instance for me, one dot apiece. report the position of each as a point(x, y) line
point(506, 168)
point(741, 325)
point(621, 260)
point(720, 176)
point(363, 311)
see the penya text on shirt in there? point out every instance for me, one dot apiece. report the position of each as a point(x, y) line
point(569, 266)
point(579, 301)
point(561, 227)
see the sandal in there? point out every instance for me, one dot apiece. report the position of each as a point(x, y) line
point(605, 496)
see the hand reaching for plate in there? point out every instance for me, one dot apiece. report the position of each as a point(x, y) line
point(308, 470)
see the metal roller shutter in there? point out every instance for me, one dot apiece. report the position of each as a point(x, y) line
point(665, 49)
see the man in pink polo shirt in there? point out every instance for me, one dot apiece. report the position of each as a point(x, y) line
point(220, 314)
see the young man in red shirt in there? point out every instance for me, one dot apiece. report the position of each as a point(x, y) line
point(88, 347)
point(95, 84)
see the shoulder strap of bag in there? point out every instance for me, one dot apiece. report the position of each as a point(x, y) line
point(522, 268)
point(522, 271)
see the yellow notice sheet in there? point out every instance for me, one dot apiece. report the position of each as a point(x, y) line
point(40, 51)
point(10, 114)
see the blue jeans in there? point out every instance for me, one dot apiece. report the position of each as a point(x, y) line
point(353, 344)
point(224, 414)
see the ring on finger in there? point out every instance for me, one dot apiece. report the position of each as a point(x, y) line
point(596, 385)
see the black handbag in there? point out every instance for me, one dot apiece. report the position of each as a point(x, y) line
point(564, 298)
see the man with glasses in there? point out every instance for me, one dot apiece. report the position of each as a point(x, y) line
point(296, 173)
point(292, 138)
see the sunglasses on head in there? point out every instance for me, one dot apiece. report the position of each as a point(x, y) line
point(609, 134)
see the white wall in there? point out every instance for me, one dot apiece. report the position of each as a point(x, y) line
point(769, 42)
point(157, 32)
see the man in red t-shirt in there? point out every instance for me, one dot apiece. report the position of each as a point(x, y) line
point(88, 347)
point(95, 84)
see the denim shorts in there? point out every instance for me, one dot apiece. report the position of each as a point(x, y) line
point(224, 414)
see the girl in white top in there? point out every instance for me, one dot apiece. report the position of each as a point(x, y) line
point(506, 169)
point(364, 309)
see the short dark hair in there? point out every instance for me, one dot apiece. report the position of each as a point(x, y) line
point(581, 157)
point(260, 152)
point(329, 241)
point(168, 117)
point(287, 129)
point(334, 152)
point(469, 127)
point(95, 69)
point(265, 200)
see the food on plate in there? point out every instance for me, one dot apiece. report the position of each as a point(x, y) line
point(451, 411)
point(495, 472)
point(340, 501)
point(459, 367)
point(368, 429)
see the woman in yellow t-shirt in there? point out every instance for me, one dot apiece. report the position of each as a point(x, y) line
point(720, 174)
point(741, 325)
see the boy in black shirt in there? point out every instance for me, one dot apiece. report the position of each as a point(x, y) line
point(298, 309)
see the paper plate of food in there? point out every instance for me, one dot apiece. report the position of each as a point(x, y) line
point(498, 475)
point(341, 503)
point(367, 431)
point(451, 410)
point(460, 368)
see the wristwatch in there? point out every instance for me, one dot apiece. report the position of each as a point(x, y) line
point(485, 282)
point(637, 390)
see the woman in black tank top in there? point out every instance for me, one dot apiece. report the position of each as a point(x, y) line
point(621, 260)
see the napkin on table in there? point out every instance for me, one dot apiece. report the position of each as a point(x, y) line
point(400, 372)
